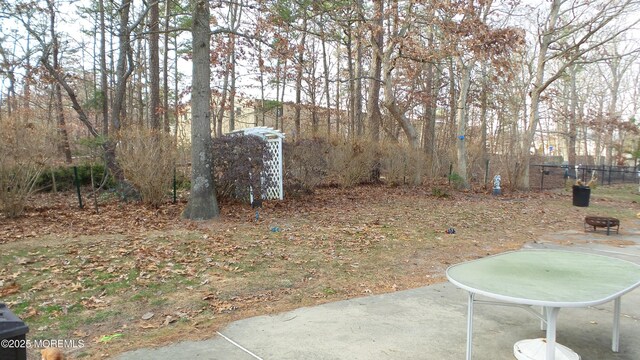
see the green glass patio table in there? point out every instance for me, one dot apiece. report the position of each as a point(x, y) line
point(551, 279)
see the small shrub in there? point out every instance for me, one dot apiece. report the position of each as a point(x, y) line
point(25, 149)
point(456, 180)
point(65, 180)
point(183, 182)
point(183, 169)
point(439, 193)
point(147, 158)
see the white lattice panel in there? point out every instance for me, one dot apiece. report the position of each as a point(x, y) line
point(272, 163)
point(273, 170)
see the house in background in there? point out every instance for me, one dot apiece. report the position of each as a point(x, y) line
point(250, 113)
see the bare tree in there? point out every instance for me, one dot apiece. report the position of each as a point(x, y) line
point(567, 33)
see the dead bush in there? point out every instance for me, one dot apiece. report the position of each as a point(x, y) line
point(401, 164)
point(311, 162)
point(238, 166)
point(25, 149)
point(305, 164)
point(351, 163)
point(147, 158)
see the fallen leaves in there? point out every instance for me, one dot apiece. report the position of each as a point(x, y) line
point(93, 303)
point(132, 268)
point(7, 289)
point(24, 261)
point(59, 215)
point(80, 334)
point(148, 326)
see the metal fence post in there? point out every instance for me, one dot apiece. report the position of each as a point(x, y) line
point(77, 181)
point(174, 185)
point(486, 171)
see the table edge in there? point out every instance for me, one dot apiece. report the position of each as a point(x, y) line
point(524, 301)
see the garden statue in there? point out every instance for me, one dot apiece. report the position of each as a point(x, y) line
point(496, 185)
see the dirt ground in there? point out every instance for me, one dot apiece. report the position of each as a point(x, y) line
point(127, 276)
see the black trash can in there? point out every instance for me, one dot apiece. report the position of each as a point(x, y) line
point(14, 330)
point(581, 195)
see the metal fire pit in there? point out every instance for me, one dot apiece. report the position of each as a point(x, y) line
point(602, 222)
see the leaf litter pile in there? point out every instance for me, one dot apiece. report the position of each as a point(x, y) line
point(131, 276)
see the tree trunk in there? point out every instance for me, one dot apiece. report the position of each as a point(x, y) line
point(375, 72)
point(600, 133)
point(484, 95)
point(299, 69)
point(65, 149)
point(359, 118)
point(279, 77)
point(398, 114)
point(452, 97)
point(352, 86)
point(583, 129)
point(28, 76)
point(430, 105)
point(284, 86)
point(261, 68)
point(338, 88)
point(573, 105)
point(312, 83)
point(613, 116)
point(154, 65)
point(124, 67)
point(461, 120)
point(104, 86)
point(140, 79)
point(11, 91)
point(235, 13)
point(232, 92)
point(62, 126)
point(176, 94)
point(223, 98)
point(429, 126)
point(202, 204)
point(325, 65)
point(165, 70)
